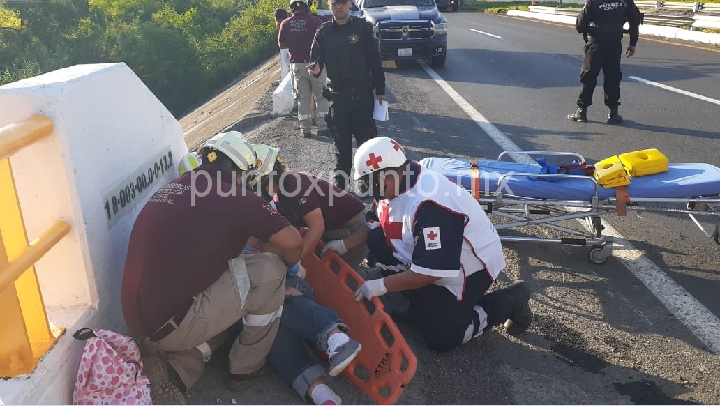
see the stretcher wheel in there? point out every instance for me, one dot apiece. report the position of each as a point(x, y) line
point(599, 255)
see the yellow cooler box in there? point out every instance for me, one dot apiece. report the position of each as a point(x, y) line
point(645, 162)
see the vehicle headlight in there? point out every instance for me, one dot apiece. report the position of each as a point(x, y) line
point(440, 28)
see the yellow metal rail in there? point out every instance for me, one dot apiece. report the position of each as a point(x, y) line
point(16, 136)
point(26, 335)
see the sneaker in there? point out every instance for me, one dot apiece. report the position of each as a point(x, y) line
point(241, 382)
point(521, 315)
point(343, 356)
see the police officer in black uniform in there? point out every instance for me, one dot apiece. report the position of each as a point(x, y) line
point(348, 50)
point(601, 23)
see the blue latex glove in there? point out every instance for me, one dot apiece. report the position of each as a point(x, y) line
point(248, 248)
point(293, 270)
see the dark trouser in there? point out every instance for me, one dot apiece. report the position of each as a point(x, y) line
point(351, 116)
point(441, 317)
point(605, 55)
point(303, 323)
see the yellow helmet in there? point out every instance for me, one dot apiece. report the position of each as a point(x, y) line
point(234, 145)
point(267, 156)
point(189, 161)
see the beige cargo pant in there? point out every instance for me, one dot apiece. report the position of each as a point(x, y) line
point(306, 87)
point(355, 256)
point(251, 290)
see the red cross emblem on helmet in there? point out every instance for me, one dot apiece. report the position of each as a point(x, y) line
point(376, 154)
point(373, 160)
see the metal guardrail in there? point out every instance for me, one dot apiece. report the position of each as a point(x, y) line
point(704, 15)
point(25, 335)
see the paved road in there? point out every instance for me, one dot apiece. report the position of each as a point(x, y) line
point(600, 335)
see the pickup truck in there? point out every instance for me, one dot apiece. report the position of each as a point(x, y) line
point(405, 29)
point(444, 4)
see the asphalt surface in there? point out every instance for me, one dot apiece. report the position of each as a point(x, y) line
point(599, 335)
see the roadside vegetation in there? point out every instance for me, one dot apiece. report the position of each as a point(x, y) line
point(183, 50)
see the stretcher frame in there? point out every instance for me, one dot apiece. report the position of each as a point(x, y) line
point(525, 211)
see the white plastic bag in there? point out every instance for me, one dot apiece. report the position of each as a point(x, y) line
point(283, 100)
point(284, 62)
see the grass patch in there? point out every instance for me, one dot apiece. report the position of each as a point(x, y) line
point(498, 7)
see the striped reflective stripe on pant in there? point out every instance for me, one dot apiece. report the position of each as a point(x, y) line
point(259, 320)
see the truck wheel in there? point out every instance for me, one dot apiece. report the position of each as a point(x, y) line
point(438, 61)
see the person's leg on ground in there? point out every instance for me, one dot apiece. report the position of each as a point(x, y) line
point(592, 63)
point(447, 322)
point(319, 325)
point(292, 361)
point(342, 115)
point(322, 105)
point(612, 75)
point(262, 309)
point(304, 94)
point(213, 311)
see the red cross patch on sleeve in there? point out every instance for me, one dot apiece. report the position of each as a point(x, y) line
point(431, 236)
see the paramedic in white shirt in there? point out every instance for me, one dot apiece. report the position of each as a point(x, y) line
point(443, 250)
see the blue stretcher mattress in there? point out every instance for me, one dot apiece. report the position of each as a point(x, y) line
point(682, 180)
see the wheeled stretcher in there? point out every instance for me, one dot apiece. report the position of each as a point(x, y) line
point(523, 195)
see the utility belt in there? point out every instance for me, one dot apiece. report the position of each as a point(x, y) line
point(349, 94)
point(605, 32)
point(172, 324)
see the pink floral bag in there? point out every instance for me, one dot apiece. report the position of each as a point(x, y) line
point(110, 371)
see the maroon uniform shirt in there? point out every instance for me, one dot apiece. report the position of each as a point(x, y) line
point(302, 193)
point(178, 248)
point(298, 32)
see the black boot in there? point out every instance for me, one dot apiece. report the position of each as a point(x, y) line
point(614, 117)
point(521, 315)
point(579, 115)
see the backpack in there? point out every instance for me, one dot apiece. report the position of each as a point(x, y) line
point(110, 371)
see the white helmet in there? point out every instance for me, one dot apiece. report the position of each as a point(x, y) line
point(189, 161)
point(267, 156)
point(235, 147)
point(376, 154)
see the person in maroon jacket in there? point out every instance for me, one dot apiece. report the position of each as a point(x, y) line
point(296, 34)
point(328, 212)
point(186, 280)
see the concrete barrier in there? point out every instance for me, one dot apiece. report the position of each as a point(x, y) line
point(114, 144)
point(645, 29)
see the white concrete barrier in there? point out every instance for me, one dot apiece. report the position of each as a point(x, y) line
point(645, 29)
point(114, 144)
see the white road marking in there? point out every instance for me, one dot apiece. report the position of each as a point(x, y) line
point(696, 317)
point(676, 90)
point(504, 142)
point(486, 33)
